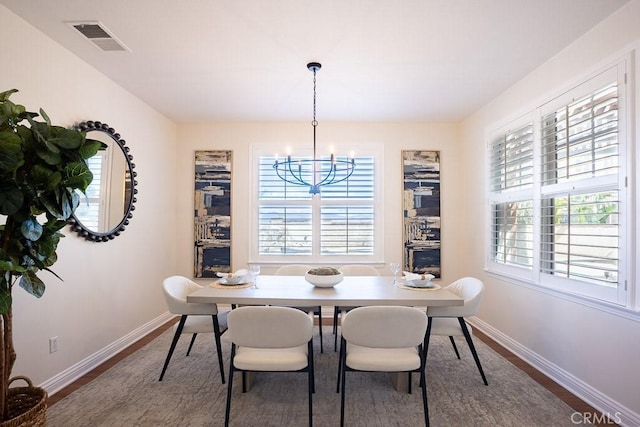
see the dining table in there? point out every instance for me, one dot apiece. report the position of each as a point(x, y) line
point(351, 291)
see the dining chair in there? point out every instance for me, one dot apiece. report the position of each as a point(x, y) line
point(270, 339)
point(350, 270)
point(449, 321)
point(195, 318)
point(300, 270)
point(383, 339)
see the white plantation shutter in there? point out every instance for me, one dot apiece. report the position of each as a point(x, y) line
point(580, 164)
point(511, 182)
point(340, 222)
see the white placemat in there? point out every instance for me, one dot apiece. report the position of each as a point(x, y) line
point(221, 286)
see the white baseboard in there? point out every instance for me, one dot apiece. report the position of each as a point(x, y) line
point(66, 377)
point(616, 411)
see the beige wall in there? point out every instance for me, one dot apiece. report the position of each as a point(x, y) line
point(239, 137)
point(110, 290)
point(593, 351)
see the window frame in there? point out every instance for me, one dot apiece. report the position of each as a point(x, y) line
point(374, 150)
point(622, 296)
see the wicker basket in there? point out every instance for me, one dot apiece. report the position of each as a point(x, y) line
point(27, 405)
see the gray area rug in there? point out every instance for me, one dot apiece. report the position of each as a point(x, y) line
point(191, 394)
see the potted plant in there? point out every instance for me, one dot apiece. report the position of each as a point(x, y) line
point(41, 167)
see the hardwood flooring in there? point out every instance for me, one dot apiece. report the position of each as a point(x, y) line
point(586, 411)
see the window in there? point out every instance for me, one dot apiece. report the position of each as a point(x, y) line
point(557, 192)
point(512, 197)
point(341, 222)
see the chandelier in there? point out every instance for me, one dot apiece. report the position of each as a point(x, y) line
point(314, 173)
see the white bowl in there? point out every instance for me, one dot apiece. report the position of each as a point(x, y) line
point(324, 281)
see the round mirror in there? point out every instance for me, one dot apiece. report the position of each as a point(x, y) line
point(107, 205)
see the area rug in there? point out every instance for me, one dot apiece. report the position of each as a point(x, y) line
point(191, 394)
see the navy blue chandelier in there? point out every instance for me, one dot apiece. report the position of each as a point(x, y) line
point(314, 173)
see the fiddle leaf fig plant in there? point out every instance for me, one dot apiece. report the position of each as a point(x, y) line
point(41, 168)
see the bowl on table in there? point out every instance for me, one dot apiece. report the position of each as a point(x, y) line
point(323, 277)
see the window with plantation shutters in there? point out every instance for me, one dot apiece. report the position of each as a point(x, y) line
point(511, 183)
point(558, 192)
point(339, 222)
point(580, 198)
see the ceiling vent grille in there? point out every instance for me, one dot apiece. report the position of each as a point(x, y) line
point(99, 36)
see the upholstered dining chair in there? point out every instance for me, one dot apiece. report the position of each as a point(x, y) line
point(195, 318)
point(383, 339)
point(350, 270)
point(449, 321)
point(300, 270)
point(270, 339)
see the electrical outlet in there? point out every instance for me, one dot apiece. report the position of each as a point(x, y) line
point(53, 344)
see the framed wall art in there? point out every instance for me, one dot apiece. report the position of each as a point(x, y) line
point(212, 212)
point(421, 211)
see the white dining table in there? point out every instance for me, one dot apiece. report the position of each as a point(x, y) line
point(296, 291)
point(352, 291)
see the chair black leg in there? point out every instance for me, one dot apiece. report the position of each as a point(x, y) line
point(425, 347)
point(343, 369)
point(340, 356)
point(216, 336)
point(310, 357)
point(176, 337)
point(320, 328)
point(193, 339)
point(424, 398)
point(455, 348)
point(312, 381)
point(228, 408)
point(467, 336)
point(423, 383)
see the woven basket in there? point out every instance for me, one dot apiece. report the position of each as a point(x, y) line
point(27, 405)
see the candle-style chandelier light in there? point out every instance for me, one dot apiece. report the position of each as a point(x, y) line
point(316, 172)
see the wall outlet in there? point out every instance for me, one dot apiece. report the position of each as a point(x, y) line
point(53, 344)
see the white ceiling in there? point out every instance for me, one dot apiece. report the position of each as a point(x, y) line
point(382, 60)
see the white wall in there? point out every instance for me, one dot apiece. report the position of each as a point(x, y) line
point(394, 137)
point(592, 351)
point(111, 289)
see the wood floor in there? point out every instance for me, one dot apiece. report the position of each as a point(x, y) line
point(574, 402)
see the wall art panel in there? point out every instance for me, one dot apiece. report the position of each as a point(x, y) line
point(212, 212)
point(421, 211)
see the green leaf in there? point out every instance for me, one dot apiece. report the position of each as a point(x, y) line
point(69, 139)
point(11, 200)
point(10, 151)
point(31, 229)
point(91, 147)
point(77, 175)
point(4, 96)
point(32, 284)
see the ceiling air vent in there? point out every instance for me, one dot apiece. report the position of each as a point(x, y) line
point(99, 36)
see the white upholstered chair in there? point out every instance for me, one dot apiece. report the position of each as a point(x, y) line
point(383, 339)
point(350, 270)
point(270, 339)
point(449, 321)
point(300, 270)
point(195, 318)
